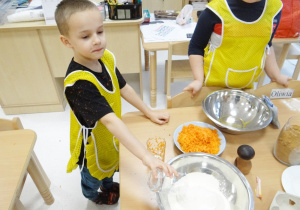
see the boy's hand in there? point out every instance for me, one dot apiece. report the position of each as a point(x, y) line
point(159, 117)
point(193, 87)
point(153, 163)
point(282, 79)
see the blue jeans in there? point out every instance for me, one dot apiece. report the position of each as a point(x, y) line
point(90, 185)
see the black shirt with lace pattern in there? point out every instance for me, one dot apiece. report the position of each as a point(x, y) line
point(84, 98)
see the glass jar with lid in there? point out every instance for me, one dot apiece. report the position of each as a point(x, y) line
point(287, 147)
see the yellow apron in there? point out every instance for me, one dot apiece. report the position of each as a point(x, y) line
point(101, 147)
point(239, 59)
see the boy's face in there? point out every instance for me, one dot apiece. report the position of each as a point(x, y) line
point(86, 35)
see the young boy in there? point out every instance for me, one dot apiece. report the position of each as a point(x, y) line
point(93, 89)
point(232, 44)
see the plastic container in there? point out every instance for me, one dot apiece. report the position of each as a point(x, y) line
point(157, 146)
point(125, 11)
point(101, 7)
point(146, 15)
point(285, 201)
point(287, 147)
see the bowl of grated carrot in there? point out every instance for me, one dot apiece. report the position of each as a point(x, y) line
point(199, 137)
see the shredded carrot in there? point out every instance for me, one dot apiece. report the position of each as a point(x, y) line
point(194, 138)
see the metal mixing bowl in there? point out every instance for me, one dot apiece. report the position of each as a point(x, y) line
point(236, 111)
point(232, 183)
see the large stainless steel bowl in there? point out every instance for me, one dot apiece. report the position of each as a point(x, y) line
point(236, 111)
point(232, 183)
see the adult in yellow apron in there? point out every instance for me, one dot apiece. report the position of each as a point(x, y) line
point(101, 148)
point(238, 60)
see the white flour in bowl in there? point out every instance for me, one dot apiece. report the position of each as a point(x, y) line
point(197, 191)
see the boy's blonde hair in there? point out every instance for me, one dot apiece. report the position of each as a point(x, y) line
point(66, 8)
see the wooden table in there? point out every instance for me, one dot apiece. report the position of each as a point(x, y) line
point(135, 193)
point(152, 47)
point(16, 152)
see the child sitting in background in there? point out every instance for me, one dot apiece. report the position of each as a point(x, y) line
point(93, 89)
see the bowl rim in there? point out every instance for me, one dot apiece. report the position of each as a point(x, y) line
point(227, 163)
point(230, 127)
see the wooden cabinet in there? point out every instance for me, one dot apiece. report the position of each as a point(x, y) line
point(33, 63)
point(152, 5)
point(26, 82)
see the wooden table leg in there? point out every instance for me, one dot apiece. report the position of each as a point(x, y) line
point(40, 179)
point(19, 205)
point(146, 53)
point(283, 55)
point(141, 84)
point(153, 82)
point(261, 79)
point(297, 70)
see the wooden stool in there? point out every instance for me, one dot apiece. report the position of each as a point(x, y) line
point(18, 154)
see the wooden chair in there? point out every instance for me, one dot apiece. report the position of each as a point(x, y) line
point(283, 52)
point(177, 70)
point(184, 99)
point(294, 53)
point(15, 124)
point(267, 89)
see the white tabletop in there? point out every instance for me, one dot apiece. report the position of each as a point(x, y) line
point(166, 30)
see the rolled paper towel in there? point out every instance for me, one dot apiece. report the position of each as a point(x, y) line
point(27, 15)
